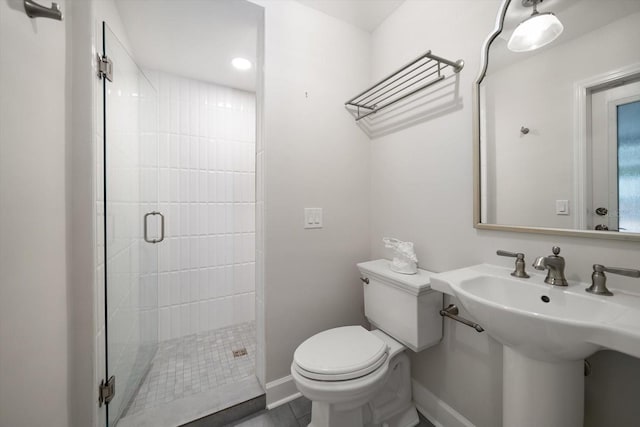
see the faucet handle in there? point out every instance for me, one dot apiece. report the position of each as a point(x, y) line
point(519, 271)
point(599, 280)
point(630, 272)
point(510, 254)
point(556, 250)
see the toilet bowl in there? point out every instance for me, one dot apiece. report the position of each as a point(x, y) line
point(355, 377)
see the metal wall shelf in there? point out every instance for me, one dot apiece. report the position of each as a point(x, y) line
point(417, 75)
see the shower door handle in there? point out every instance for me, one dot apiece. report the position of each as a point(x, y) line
point(146, 228)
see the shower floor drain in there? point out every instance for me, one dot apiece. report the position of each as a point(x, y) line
point(240, 352)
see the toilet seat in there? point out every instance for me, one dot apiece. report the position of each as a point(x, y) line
point(340, 354)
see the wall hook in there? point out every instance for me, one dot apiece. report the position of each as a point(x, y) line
point(35, 10)
point(524, 130)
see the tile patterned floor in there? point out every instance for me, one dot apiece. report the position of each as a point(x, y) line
point(196, 363)
point(296, 413)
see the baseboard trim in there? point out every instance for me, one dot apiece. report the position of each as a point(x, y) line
point(435, 410)
point(439, 413)
point(281, 391)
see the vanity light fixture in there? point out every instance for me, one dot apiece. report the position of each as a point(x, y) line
point(241, 64)
point(536, 31)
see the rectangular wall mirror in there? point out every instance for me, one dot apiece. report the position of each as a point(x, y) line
point(557, 119)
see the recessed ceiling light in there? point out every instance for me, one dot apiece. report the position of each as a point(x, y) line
point(241, 63)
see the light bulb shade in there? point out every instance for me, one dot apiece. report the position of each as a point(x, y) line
point(241, 64)
point(538, 30)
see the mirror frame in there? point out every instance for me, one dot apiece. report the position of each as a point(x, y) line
point(484, 63)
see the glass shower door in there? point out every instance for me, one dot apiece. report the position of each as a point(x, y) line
point(133, 225)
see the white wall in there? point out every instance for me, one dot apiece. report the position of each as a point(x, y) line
point(314, 156)
point(530, 172)
point(261, 360)
point(421, 190)
point(207, 193)
point(81, 235)
point(33, 197)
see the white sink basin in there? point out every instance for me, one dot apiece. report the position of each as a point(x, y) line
point(570, 325)
point(546, 332)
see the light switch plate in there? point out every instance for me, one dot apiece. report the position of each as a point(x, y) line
point(312, 217)
point(562, 207)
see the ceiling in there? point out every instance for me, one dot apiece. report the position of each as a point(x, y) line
point(366, 14)
point(194, 38)
point(199, 38)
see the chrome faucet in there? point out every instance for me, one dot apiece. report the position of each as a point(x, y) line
point(555, 266)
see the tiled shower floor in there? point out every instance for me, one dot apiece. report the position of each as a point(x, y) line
point(196, 364)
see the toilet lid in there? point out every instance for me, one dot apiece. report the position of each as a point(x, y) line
point(340, 354)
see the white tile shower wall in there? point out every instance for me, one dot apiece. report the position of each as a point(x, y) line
point(207, 193)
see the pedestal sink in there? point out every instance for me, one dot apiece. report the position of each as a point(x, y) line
point(546, 331)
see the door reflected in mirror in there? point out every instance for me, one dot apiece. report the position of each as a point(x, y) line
point(615, 154)
point(559, 127)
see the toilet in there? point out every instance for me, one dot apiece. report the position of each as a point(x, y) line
point(355, 377)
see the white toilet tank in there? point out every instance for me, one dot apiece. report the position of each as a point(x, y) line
point(402, 305)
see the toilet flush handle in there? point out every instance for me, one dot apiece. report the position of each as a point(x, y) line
point(365, 280)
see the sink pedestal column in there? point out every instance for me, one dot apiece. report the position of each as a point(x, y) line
point(540, 393)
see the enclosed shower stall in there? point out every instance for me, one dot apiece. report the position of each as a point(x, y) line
point(176, 229)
